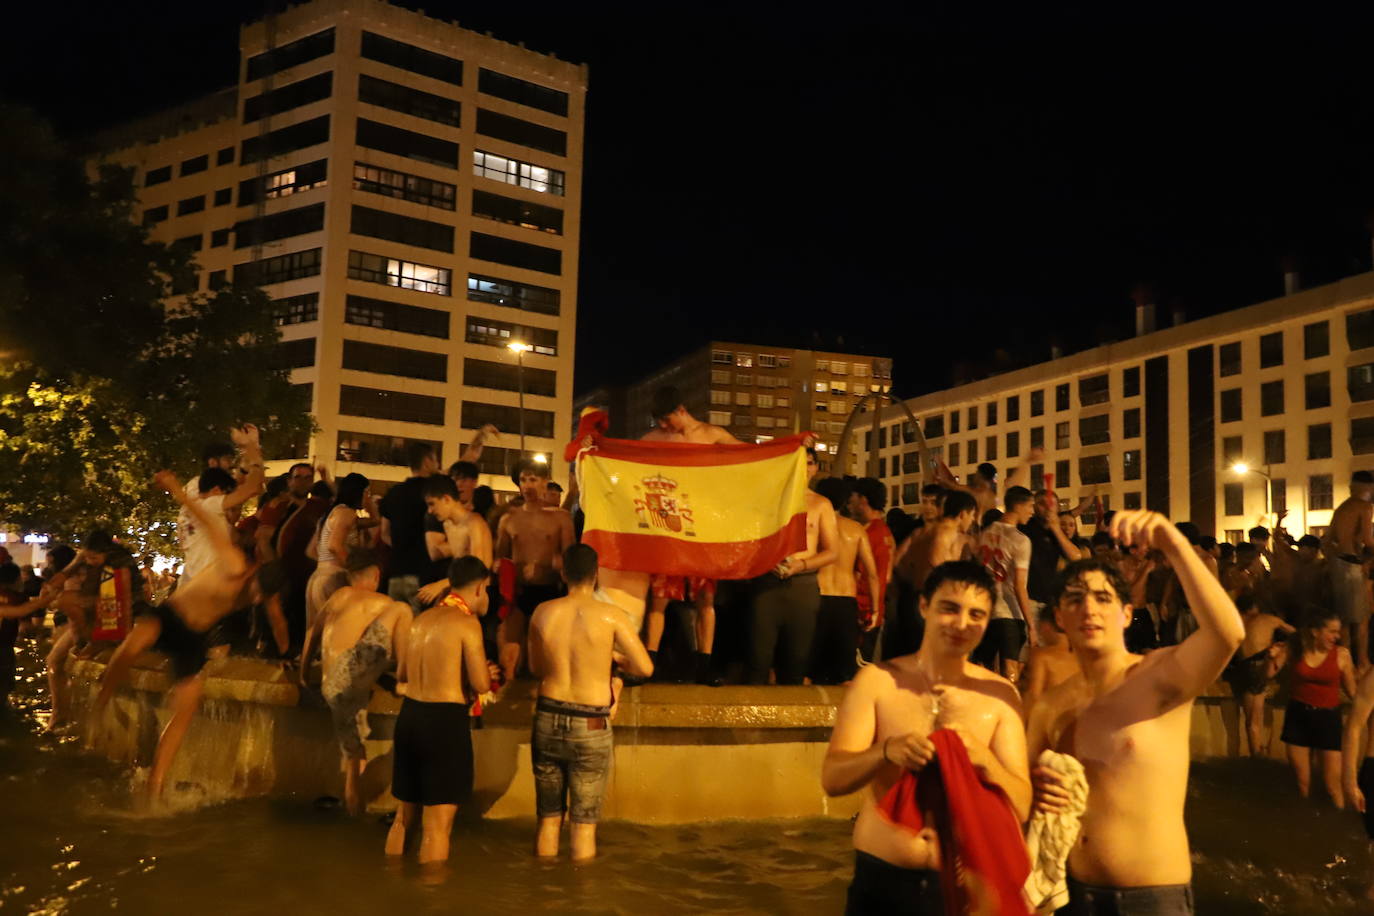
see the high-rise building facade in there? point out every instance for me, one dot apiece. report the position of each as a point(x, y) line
point(1227, 421)
point(407, 192)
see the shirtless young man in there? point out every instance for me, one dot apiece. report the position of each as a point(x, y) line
point(1357, 759)
point(456, 531)
point(944, 541)
point(533, 537)
point(1347, 542)
point(1261, 655)
point(834, 660)
point(362, 633)
point(1127, 719)
point(883, 727)
point(673, 423)
point(787, 600)
point(573, 642)
point(433, 772)
point(1051, 663)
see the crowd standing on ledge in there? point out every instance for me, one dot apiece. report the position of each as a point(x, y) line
point(987, 616)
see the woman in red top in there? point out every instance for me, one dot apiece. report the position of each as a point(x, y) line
point(1313, 719)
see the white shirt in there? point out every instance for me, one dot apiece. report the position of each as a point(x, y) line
point(1004, 550)
point(195, 542)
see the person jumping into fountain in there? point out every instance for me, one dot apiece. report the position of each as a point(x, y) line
point(432, 774)
point(1348, 542)
point(1127, 719)
point(573, 642)
point(1357, 758)
point(361, 633)
point(883, 728)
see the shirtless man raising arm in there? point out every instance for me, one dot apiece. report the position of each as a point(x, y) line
point(573, 641)
point(1347, 541)
point(883, 727)
point(1127, 718)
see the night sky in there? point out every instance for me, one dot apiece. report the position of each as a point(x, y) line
point(935, 187)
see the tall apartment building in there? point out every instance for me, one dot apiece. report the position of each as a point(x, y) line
point(756, 392)
point(408, 194)
point(1285, 387)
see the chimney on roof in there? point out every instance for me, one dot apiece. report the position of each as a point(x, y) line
point(1290, 274)
point(1144, 310)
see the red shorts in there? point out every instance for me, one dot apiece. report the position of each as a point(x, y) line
point(677, 588)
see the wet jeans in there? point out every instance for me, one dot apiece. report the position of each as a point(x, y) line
point(1163, 900)
point(571, 751)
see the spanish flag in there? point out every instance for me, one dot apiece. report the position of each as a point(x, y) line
point(680, 509)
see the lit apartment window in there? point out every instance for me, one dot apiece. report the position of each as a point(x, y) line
point(838, 407)
point(520, 174)
point(286, 182)
point(370, 448)
point(861, 370)
point(822, 385)
point(839, 368)
point(375, 268)
point(720, 376)
point(495, 333)
point(402, 186)
point(720, 398)
point(784, 400)
point(514, 295)
point(744, 360)
point(822, 365)
point(720, 418)
point(765, 400)
point(722, 356)
point(742, 398)
point(837, 387)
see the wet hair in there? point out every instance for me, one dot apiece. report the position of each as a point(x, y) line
point(464, 571)
point(530, 466)
point(483, 499)
point(1259, 532)
point(836, 490)
point(1190, 531)
point(1046, 615)
point(579, 564)
point(275, 487)
point(873, 491)
point(361, 559)
point(301, 464)
point(437, 486)
point(1310, 540)
point(272, 578)
point(216, 450)
point(932, 489)
point(960, 572)
point(1074, 573)
point(1362, 477)
point(1106, 519)
point(467, 470)
point(666, 400)
point(958, 502)
point(1207, 543)
point(417, 453)
point(811, 453)
point(990, 516)
point(216, 478)
point(555, 487)
point(1016, 496)
point(351, 490)
point(321, 490)
point(987, 471)
point(100, 540)
point(900, 524)
point(9, 573)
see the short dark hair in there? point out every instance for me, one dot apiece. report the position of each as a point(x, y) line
point(62, 556)
point(989, 517)
point(275, 487)
point(555, 487)
point(9, 573)
point(1190, 531)
point(1246, 549)
point(1310, 540)
point(932, 489)
point(438, 486)
point(836, 490)
point(1258, 532)
point(1362, 477)
point(467, 470)
point(958, 502)
point(464, 571)
point(579, 564)
point(416, 453)
point(1207, 543)
point(99, 540)
point(960, 572)
point(987, 471)
point(873, 491)
point(291, 471)
point(666, 400)
point(1073, 574)
point(1016, 496)
point(212, 478)
point(1101, 538)
point(217, 449)
point(537, 468)
point(321, 490)
point(351, 490)
point(361, 559)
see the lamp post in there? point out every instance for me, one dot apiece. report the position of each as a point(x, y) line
point(1241, 469)
point(520, 350)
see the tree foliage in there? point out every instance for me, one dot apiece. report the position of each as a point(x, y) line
point(104, 377)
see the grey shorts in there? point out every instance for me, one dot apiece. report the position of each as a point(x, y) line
point(1349, 591)
point(404, 588)
point(571, 750)
point(1161, 900)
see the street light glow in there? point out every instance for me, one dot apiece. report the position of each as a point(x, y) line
point(541, 459)
point(1240, 467)
point(519, 347)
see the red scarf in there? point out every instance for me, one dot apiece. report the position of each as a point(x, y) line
point(982, 854)
point(451, 599)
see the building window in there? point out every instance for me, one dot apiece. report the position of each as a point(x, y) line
point(1061, 397)
point(219, 238)
point(911, 463)
point(953, 422)
point(1130, 382)
point(522, 296)
point(402, 186)
point(1359, 382)
point(1061, 434)
point(1271, 350)
point(1061, 474)
point(537, 422)
point(1013, 445)
point(1037, 477)
point(277, 226)
point(1316, 340)
point(154, 215)
point(1233, 496)
point(157, 176)
point(1317, 390)
point(742, 398)
point(522, 213)
point(910, 494)
point(1275, 446)
point(522, 92)
point(406, 143)
point(1319, 491)
point(1013, 408)
point(400, 361)
point(515, 254)
point(973, 451)
point(1093, 390)
point(404, 56)
point(1230, 405)
point(1037, 403)
point(414, 102)
point(1362, 435)
point(1232, 450)
point(371, 448)
point(1228, 359)
point(495, 333)
point(521, 132)
point(225, 156)
point(1131, 500)
point(768, 361)
point(822, 365)
point(481, 373)
point(285, 98)
point(954, 454)
point(374, 268)
point(1130, 464)
point(720, 398)
point(744, 360)
point(764, 400)
point(404, 230)
point(934, 426)
point(990, 449)
point(1094, 470)
point(1094, 430)
point(393, 316)
point(720, 418)
point(1359, 328)
point(724, 357)
point(1278, 494)
point(191, 205)
point(991, 409)
point(1130, 423)
point(218, 280)
point(286, 140)
point(784, 400)
point(972, 419)
point(190, 242)
point(285, 182)
point(224, 196)
point(838, 368)
point(520, 174)
point(1271, 398)
point(744, 378)
point(1318, 441)
point(720, 377)
point(279, 269)
point(381, 404)
point(838, 387)
point(1037, 437)
point(309, 48)
point(296, 309)
point(197, 164)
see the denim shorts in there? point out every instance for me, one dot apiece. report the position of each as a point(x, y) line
point(571, 751)
point(1162, 900)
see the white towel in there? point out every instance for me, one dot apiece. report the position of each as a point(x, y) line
point(1051, 836)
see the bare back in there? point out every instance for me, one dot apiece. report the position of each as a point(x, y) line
point(534, 537)
point(1349, 531)
point(1259, 633)
point(349, 612)
point(445, 649)
point(572, 641)
point(838, 578)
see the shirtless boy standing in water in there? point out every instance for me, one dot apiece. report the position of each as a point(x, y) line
point(883, 727)
point(573, 641)
point(433, 738)
point(1347, 541)
point(1127, 718)
point(533, 537)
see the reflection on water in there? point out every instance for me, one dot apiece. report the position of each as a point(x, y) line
point(72, 844)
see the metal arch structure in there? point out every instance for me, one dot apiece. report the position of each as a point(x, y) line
point(842, 457)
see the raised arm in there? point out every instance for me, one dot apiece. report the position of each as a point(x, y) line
point(246, 438)
point(1355, 739)
point(473, 452)
point(229, 557)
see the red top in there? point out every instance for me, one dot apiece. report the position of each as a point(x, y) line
point(880, 540)
point(1319, 686)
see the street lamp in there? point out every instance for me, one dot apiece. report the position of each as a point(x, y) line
point(1241, 469)
point(520, 350)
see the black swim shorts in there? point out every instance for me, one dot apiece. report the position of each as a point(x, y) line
point(1366, 784)
point(880, 888)
point(433, 753)
point(1312, 727)
point(183, 645)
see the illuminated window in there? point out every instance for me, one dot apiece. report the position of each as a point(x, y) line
point(784, 400)
point(838, 407)
point(822, 365)
point(720, 376)
point(514, 295)
point(822, 385)
point(768, 361)
point(861, 370)
point(765, 400)
point(744, 360)
point(839, 368)
point(744, 378)
point(719, 417)
point(495, 333)
point(520, 174)
point(375, 268)
point(721, 398)
point(742, 398)
point(402, 186)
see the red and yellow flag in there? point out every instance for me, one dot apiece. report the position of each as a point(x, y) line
point(681, 509)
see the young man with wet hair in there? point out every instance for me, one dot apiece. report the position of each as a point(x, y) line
point(673, 423)
point(452, 529)
point(1348, 542)
point(433, 772)
point(573, 641)
point(1127, 719)
point(944, 541)
point(464, 475)
point(883, 728)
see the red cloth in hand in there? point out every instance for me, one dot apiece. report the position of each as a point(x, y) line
point(592, 423)
point(983, 860)
point(505, 577)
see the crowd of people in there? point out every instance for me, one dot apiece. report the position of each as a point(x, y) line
point(986, 616)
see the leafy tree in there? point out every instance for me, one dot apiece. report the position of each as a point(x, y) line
point(104, 377)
